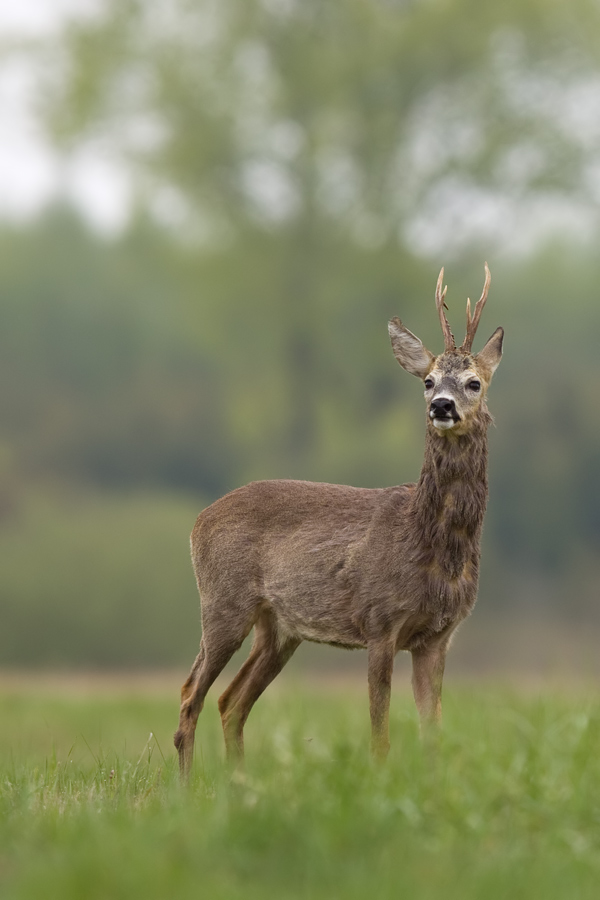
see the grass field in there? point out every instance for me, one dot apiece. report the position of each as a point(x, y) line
point(508, 806)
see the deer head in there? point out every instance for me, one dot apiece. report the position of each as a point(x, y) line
point(456, 381)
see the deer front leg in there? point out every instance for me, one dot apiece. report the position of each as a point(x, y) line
point(428, 673)
point(381, 666)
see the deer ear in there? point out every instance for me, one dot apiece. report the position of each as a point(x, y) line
point(491, 354)
point(409, 350)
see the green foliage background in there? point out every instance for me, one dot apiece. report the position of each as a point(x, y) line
point(285, 161)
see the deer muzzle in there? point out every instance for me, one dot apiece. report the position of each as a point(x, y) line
point(442, 412)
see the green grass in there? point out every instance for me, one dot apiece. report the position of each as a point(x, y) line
point(508, 806)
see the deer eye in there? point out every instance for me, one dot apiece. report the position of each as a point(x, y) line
point(428, 384)
point(475, 385)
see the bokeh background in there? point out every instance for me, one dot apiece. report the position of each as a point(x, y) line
point(209, 209)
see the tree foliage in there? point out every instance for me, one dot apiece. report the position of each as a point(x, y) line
point(357, 117)
point(292, 161)
point(296, 135)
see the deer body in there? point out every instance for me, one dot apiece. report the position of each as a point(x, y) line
point(383, 569)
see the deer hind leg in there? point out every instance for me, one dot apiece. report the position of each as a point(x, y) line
point(380, 668)
point(216, 649)
point(268, 656)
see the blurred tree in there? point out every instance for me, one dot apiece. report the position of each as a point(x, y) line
point(295, 154)
point(353, 114)
point(325, 129)
point(101, 384)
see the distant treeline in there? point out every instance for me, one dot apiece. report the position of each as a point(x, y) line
point(291, 169)
point(141, 380)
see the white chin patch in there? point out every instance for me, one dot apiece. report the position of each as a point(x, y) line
point(444, 424)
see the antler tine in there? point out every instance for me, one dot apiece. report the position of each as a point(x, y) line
point(473, 321)
point(449, 342)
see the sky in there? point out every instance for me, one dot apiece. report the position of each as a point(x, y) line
point(32, 172)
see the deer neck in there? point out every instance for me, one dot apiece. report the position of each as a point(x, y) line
point(451, 497)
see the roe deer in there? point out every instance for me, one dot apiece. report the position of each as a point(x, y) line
point(388, 569)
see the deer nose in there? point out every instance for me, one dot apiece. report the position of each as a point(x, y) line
point(442, 407)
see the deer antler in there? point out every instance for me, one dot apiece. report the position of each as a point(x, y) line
point(473, 321)
point(449, 342)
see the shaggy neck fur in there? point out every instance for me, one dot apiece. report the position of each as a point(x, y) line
point(450, 499)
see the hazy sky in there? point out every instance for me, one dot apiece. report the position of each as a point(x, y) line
point(31, 172)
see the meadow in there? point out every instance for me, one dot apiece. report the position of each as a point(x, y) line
point(506, 805)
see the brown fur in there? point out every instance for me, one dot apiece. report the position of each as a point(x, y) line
point(385, 569)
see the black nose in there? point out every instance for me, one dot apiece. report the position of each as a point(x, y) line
point(443, 407)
